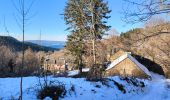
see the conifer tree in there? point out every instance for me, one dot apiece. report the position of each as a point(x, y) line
point(87, 20)
point(74, 17)
point(75, 46)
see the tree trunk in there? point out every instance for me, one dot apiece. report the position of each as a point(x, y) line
point(93, 34)
point(94, 51)
point(80, 65)
point(23, 31)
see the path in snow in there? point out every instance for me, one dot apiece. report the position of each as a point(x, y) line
point(157, 89)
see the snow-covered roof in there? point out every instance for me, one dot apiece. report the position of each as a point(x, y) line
point(127, 55)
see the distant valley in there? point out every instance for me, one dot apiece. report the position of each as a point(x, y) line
point(51, 44)
point(16, 45)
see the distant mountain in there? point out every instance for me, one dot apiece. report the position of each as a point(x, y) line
point(16, 45)
point(52, 44)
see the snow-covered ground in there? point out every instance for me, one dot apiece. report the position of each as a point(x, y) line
point(75, 72)
point(156, 89)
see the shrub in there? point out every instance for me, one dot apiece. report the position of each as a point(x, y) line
point(95, 73)
point(6, 54)
point(53, 91)
point(31, 63)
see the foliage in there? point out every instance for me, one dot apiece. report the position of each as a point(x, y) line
point(87, 22)
point(132, 33)
point(31, 63)
point(11, 62)
point(75, 46)
point(151, 43)
point(6, 55)
point(53, 91)
point(95, 73)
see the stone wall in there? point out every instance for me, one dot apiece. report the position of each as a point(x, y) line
point(126, 68)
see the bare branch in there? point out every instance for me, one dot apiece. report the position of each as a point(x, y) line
point(143, 10)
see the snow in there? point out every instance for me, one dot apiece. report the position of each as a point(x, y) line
point(47, 98)
point(116, 61)
point(156, 89)
point(75, 72)
point(127, 55)
point(72, 73)
point(142, 67)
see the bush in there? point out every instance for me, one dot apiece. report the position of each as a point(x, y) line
point(95, 73)
point(6, 54)
point(53, 91)
point(31, 63)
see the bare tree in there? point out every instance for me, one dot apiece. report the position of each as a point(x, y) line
point(6, 54)
point(143, 10)
point(154, 43)
point(5, 27)
point(31, 62)
point(22, 19)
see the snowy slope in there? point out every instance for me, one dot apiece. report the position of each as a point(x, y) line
point(85, 90)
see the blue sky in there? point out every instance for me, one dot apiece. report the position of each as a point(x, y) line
point(47, 18)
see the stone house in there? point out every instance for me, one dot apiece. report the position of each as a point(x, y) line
point(123, 64)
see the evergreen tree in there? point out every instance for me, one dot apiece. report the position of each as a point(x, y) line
point(75, 46)
point(97, 12)
point(87, 21)
point(74, 17)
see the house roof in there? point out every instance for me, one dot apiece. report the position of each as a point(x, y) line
point(117, 54)
point(127, 55)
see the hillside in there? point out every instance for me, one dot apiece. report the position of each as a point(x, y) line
point(16, 45)
point(52, 44)
point(150, 43)
point(113, 89)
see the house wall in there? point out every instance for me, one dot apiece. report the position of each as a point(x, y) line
point(54, 67)
point(126, 68)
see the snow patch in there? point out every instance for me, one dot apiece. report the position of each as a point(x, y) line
point(75, 72)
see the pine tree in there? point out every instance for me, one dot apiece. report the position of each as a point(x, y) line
point(98, 11)
point(75, 46)
point(74, 17)
point(87, 21)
